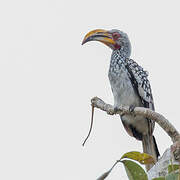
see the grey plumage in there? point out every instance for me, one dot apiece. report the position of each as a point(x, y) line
point(130, 86)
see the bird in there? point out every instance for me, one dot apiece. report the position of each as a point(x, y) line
point(130, 87)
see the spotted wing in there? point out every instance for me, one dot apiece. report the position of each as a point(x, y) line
point(140, 82)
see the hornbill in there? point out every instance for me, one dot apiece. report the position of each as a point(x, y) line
point(130, 86)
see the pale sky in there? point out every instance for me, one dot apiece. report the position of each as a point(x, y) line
point(47, 80)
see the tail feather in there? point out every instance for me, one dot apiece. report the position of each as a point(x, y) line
point(156, 148)
point(150, 147)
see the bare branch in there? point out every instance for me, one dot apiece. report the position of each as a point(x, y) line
point(148, 113)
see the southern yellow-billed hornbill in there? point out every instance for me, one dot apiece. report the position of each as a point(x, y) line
point(130, 86)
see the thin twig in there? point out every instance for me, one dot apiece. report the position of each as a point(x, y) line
point(115, 164)
point(92, 117)
point(104, 175)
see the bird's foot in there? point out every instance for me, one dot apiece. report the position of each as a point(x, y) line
point(131, 108)
point(116, 109)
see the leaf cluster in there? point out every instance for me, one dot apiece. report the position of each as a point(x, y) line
point(135, 172)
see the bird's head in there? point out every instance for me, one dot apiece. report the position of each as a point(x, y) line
point(115, 39)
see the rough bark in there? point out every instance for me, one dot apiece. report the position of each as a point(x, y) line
point(161, 167)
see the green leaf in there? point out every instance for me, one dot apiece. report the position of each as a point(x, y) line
point(143, 158)
point(172, 168)
point(134, 171)
point(172, 176)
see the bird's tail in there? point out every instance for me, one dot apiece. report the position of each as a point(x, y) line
point(150, 147)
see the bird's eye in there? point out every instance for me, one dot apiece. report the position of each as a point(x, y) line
point(116, 35)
